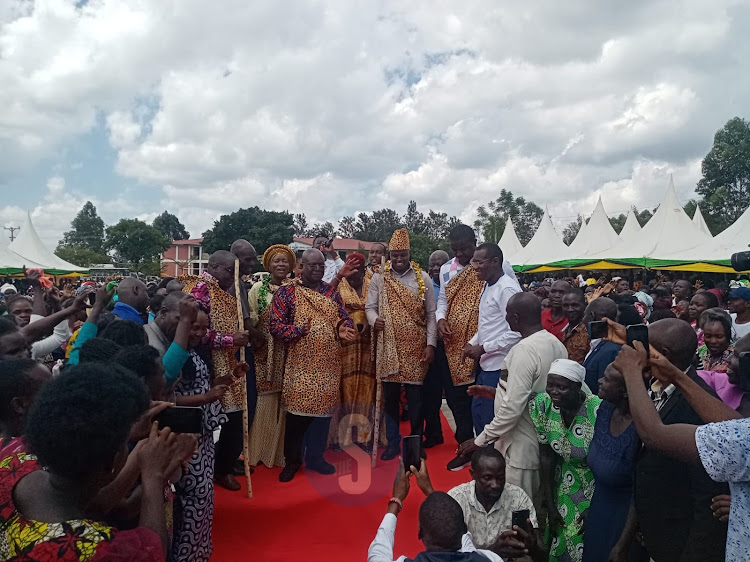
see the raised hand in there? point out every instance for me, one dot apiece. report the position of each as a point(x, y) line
point(188, 309)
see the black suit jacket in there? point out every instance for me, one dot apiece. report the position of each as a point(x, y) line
point(597, 361)
point(673, 498)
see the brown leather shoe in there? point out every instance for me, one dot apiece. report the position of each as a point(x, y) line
point(228, 481)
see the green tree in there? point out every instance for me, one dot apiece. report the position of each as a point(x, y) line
point(571, 231)
point(260, 227)
point(414, 220)
point(378, 226)
point(526, 217)
point(725, 185)
point(170, 226)
point(300, 225)
point(643, 217)
point(137, 243)
point(322, 229)
point(80, 256)
point(87, 230)
point(347, 227)
point(422, 246)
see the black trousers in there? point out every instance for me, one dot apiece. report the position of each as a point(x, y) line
point(438, 379)
point(230, 443)
point(392, 396)
point(305, 435)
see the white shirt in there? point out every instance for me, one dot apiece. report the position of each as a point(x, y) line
point(332, 268)
point(511, 429)
point(486, 526)
point(739, 329)
point(493, 332)
point(448, 271)
point(43, 347)
point(381, 549)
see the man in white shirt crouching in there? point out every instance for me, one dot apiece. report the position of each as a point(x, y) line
point(442, 529)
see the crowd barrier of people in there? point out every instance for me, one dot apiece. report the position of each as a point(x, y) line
point(600, 418)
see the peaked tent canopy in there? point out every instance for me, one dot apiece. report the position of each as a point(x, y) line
point(11, 263)
point(719, 249)
point(509, 243)
point(631, 227)
point(579, 242)
point(29, 246)
point(670, 230)
point(599, 236)
point(545, 246)
point(700, 222)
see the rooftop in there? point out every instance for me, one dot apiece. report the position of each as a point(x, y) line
point(189, 242)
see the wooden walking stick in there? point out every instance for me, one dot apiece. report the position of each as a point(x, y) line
point(378, 382)
point(245, 418)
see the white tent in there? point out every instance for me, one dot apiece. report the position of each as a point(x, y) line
point(9, 260)
point(29, 246)
point(700, 222)
point(545, 246)
point(736, 238)
point(595, 237)
point(670, 230)
point(509, 243)
point(631, 227)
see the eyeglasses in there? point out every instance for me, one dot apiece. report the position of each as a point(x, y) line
point(314, 265)
point(480, 262)
point(225, 268)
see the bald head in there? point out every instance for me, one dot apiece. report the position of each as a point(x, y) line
point(221, 266)
point(311, 255)
point(599, 309)
point(675, 339)
point(245, 252)
point(133, 292)
point(313, 268)
point(524, 313)
point(437, 259)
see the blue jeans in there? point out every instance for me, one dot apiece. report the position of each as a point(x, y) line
point(483, 409)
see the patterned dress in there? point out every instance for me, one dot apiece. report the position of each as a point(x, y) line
point(710, 362)
point(266, 438)
point(194, 505)
point(74, 540)
point(574, 481)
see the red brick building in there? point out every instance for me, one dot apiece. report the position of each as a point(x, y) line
point(184, 257)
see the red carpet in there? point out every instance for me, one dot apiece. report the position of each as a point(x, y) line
point(322, 518)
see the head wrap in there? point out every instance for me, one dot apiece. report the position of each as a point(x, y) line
point(646, 302)
point(399, 240)
point(8, 286)
point(273, 251)
point(569, 369)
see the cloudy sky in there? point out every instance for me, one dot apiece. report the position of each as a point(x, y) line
point(335, 107)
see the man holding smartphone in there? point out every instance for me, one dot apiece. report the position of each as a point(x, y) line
point(333, 263)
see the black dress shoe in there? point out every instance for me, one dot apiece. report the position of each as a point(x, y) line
point(390, 453)
point(321, 467)
point(288, 472)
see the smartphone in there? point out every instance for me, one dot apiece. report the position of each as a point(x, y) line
point(637, 332)
point(745, 371)
point(411, 448)
point(92, 299)
point(181, 419)
point(598, 329)
point(520, 518)
point(329, 243)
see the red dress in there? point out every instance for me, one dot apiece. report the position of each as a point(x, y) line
point(78, 539)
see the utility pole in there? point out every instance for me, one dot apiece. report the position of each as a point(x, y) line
point(12, 231)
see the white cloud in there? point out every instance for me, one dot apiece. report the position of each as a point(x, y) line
point(328, 108)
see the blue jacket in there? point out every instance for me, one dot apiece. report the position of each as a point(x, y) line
point(126, 312)
point(597, 361)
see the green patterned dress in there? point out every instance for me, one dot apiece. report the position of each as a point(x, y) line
point(574, 481)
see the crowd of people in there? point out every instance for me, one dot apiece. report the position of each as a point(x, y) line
point(580, 446)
